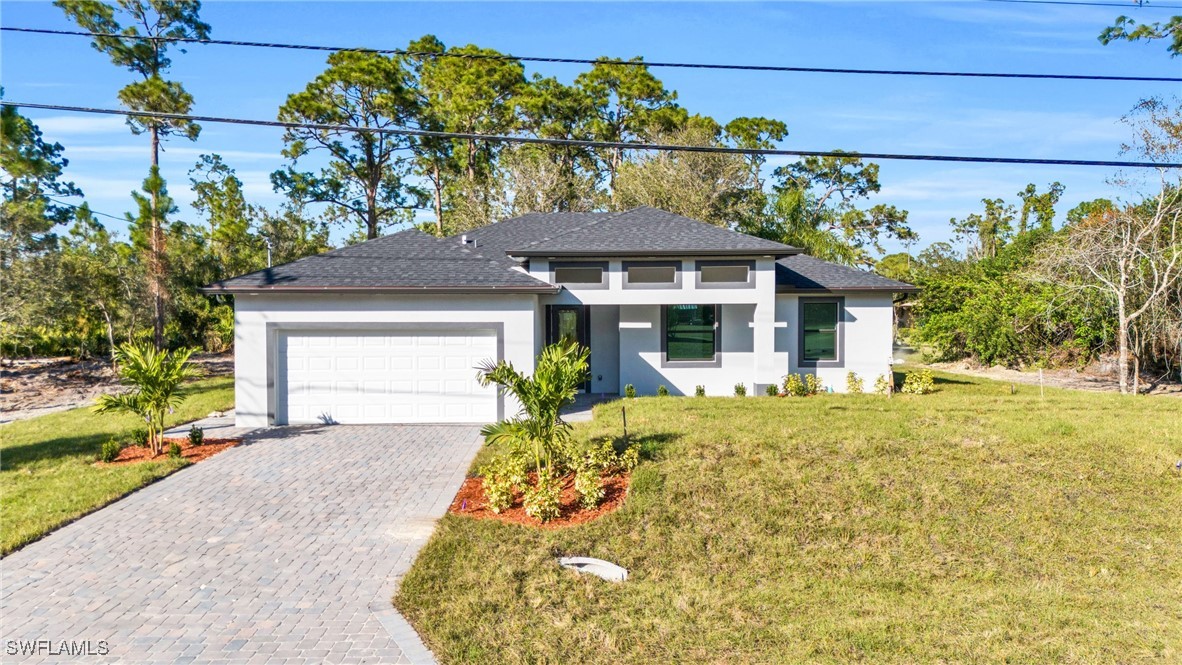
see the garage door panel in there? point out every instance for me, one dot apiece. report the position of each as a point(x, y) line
point(384, 377)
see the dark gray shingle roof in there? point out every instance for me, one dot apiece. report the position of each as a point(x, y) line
point(405, 261)
point(802, 272)
point(643, 232)
point(520, 231)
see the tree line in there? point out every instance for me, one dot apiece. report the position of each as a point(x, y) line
point(74, 286)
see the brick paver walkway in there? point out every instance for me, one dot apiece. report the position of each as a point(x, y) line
point(285, 549)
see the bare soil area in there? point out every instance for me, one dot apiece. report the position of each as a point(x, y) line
point(32, 387)
point(1060, 378)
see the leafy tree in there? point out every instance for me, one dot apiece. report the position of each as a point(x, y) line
point(471, 95)
point(156, 377)
point(560, 178)
point(31, 172)
point(755, 134)
point(986, 233)
point(629, 104)
point(364, 178)
point(1127, 29)
point(703, 186)
point(816, 209)
point(102, 284)
point(31, 175)
point(1088, 208)
point(145, 28)
point(235, 249)
point(1041, 206)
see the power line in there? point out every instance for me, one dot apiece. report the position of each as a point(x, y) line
point(1136, 4)
point(603, 61)
point(92, 211)
point(609, 145)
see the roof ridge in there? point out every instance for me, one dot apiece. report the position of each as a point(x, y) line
point(593, 222)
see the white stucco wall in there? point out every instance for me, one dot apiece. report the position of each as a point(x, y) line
point(515, 313)
point(867, 338)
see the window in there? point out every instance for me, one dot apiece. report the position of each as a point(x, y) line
point(819, 334)
point(586, 275)
point(691, 332)
point(652, 275)
point(718, 274)
point(726, 274)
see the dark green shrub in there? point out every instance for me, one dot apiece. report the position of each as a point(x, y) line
point(740, 390)
point(140, 437)
point(771, 391)
point(699, 391)
point(629, 390)
point(662, 391)
point(174, 450)
point(196, 436)
point(110, 451)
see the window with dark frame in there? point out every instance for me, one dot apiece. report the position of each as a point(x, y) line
point(819, 330)
point(578, 274)
point(724, 274)
point(691, 332)
point(652, 274)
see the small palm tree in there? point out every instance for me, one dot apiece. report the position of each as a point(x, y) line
point(156, 377)
point(561, 369)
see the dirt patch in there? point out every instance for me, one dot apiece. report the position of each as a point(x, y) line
point(137, 454)
point(470, 501)
point(35, 386)
point(1059, 378)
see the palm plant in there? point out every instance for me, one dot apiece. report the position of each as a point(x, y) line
point(560, 369)
point(156, 377)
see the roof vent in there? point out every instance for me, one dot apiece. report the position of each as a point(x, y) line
point(464, 239)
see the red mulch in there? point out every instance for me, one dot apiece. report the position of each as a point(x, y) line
point(137, 454)
point(470, 501)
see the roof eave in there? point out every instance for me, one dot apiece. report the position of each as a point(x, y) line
point(777, 253)
point(403, 290)
point(849, 289)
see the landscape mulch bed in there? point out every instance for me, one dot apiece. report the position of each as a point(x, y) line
point(137, 454)
point(470, 501)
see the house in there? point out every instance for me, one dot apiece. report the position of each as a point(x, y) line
point(390, 330)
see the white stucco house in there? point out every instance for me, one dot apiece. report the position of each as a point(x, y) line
point(390, 330)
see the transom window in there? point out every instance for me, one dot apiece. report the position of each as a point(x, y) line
point(590, 274)
point(691, 332)
point(652, 274)
point(724, 274)
point(819, 330)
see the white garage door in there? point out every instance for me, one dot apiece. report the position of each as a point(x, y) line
point(384, 377)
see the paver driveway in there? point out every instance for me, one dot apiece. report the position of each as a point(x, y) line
point(287, 548)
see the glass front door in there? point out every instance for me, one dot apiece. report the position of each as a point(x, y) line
point(569, 323)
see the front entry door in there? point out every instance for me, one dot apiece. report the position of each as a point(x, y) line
point(569, 322)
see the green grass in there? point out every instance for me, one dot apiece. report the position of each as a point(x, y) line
point(969, 525)
point(47, 472)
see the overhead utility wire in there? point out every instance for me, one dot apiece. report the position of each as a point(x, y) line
point(1139, 4)
point(603, 61)
point(619, 145)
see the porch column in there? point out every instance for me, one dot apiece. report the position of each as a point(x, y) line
point(765, 342)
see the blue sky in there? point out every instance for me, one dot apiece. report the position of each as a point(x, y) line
point(1016, 118)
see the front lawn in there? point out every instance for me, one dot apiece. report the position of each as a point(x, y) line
point(47, 472)
point(967, 525)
